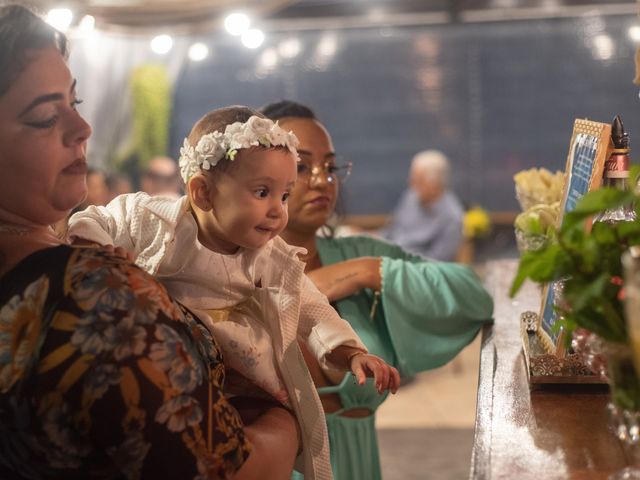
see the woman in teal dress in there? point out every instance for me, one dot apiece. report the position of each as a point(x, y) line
point(415, 313)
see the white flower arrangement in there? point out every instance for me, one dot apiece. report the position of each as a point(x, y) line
point(215, 146)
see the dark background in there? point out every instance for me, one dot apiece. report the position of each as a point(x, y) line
point(496, 97)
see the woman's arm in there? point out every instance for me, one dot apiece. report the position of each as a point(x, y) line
point(275, 440)
point(431, 309)
point(344, 279)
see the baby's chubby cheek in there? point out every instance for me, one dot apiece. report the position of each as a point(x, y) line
point(282, 225)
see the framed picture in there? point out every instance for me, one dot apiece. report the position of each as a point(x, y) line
point(588, 150)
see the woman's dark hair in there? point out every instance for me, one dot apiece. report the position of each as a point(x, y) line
point(22, 32)
point(290, 109)
point(287, 108)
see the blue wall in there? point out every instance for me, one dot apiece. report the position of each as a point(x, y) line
point(495, 97)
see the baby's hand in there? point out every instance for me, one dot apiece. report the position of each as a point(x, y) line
point(365, 365)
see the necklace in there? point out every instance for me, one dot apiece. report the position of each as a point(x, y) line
point(13, 229)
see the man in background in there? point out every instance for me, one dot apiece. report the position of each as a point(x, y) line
point(428, 218)
point(161, 178)
point(118, 184)
point(97, 189)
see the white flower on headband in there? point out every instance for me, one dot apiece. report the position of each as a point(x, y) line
point(215, 146)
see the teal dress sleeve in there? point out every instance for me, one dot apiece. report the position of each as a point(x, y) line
point(430, 310)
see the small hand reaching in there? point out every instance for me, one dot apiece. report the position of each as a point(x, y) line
point(365, 365)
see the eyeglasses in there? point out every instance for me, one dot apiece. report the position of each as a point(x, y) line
point(332, 172)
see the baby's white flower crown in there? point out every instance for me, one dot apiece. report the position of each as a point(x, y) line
point(215, 146)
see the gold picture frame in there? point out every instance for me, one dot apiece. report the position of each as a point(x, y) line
point(545, 354)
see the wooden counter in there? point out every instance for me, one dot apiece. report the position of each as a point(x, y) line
point(550, 433)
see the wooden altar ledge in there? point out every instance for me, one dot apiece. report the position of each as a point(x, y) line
point(557, 432)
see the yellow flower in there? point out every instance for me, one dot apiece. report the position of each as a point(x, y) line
point(476, 223)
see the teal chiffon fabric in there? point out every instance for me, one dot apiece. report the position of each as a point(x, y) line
point(428, 311)
point(354, 451)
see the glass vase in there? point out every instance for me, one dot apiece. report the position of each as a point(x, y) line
point(529, 242)
point(624, 408)
point(588, 347)
point(624, 424)
point(631, 294)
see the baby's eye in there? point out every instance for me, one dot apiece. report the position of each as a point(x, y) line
point(261, 192)
point(302, 168)
point(285, 197)
point(331, 168)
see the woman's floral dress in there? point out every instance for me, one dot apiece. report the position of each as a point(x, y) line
point(102, 375)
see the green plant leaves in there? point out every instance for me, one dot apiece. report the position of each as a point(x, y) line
point(588, 263)
point(540, 266)
point(151, 108)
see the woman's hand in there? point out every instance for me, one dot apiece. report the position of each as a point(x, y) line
point(344, 279)
point(250, 409)
point(117, 251)
point(120, 252)
point(365, 365)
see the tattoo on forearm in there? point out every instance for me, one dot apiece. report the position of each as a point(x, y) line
point(343, 278)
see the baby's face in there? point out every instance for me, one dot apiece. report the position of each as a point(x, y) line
point(250, 197)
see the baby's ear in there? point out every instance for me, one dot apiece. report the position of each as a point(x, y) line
point(199, 191)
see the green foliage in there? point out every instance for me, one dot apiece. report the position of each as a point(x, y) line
point(625, 387)
point(151, 96)
point(589, 262)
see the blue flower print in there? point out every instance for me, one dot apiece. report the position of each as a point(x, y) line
point(207, 345)
point(94, 334)
point(179, 413)
point(128, 458)
point(174, 356)
point(102, 288)
point(129, 339)
point(203, 339)
point(100, 378)
point(68, 446)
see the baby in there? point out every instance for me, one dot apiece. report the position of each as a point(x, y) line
point(217, 250)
